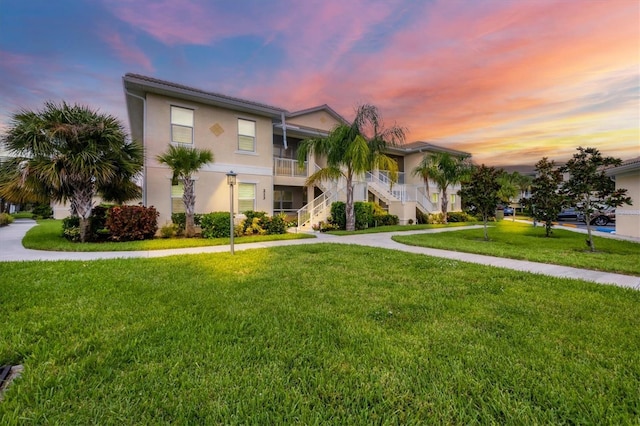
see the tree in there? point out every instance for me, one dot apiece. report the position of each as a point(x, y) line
point(509, 188)
point(546, 200)
point(184, 162)
point(444, 170)
point(480, 193)
point(353, 149)
point(70, 153)
point(589, 188)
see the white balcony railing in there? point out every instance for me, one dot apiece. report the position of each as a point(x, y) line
point(289, 167)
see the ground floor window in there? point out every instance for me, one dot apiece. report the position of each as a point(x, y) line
point(246, 197)
point(177, 205)
point(452, 199)
point(282, 200)
point(434, 197)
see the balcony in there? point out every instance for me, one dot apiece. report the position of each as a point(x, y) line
point(288, 167)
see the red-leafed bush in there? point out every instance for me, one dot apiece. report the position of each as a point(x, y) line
point(128, 223)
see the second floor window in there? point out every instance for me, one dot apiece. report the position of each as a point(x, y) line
point(246, 135)
point(181, 125)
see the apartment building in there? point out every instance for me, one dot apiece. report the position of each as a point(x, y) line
point(627, 176)
point(259, 143)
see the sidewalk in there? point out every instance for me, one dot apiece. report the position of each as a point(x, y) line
point(11, 249)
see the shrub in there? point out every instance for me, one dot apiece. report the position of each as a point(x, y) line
point(97, 225)
point(129, 223)
point(258, 223)
point(254, 223)
point(216, 225)
point(435, 218)
point(252, 226)
point(421, 218)
point(71, 228)
point(277, 224)
point(42, 211)
point(5, 219)
point(180, 220)
point(324, 226)
point(385, 219)
point(364, 214)
point(367, 214)
point(460, 217)
point(338, 215)
point(168, 230)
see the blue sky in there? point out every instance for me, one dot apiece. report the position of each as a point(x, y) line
point(508, 81)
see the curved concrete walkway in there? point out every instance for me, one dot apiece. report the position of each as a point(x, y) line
point(11, 249)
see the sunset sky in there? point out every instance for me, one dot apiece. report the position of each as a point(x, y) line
point(509, 81)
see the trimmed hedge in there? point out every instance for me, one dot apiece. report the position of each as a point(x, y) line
point(368, 215)
point(460, 217)
point(215, 225)
point(129, 223)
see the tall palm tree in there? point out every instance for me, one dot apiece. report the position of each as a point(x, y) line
point(353, 149)
point(71, 153)
point(184, 162)
point(512, 184)
point(444, 170)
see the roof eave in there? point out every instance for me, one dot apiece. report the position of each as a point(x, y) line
point(139, 85)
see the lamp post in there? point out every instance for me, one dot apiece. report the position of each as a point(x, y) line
point(231, 180)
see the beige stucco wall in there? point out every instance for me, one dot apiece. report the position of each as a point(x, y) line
point(628, 217)
point(212, 191)
point(316, 120)
point(404, 211)
point(412, 161)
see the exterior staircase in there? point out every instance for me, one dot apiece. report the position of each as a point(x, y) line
point(378, 183)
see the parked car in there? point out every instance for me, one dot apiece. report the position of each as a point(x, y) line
point(508, 211)
point(570, 213)
point(603, 217)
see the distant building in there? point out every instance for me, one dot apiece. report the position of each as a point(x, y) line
point(627, 176)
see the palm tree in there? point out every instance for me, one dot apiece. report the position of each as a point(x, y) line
point(70, 153)
point(353, 149)
point(512, 185)
point(184, 162)
point(444, 170)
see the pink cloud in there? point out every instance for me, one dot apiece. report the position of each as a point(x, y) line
point(450, 70)
point(127, 51)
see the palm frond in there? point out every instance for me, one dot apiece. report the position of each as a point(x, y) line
point(325, 174)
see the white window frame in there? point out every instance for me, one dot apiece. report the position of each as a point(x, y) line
point(243, 200)
point(180, 123)
point(245, 136)
point(452, 199)
point(435, 197)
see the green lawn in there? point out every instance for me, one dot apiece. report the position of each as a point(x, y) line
point(518, 240)
point(314, 334)
point(47, 236)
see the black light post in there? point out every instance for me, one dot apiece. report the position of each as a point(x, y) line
point(231, 180)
